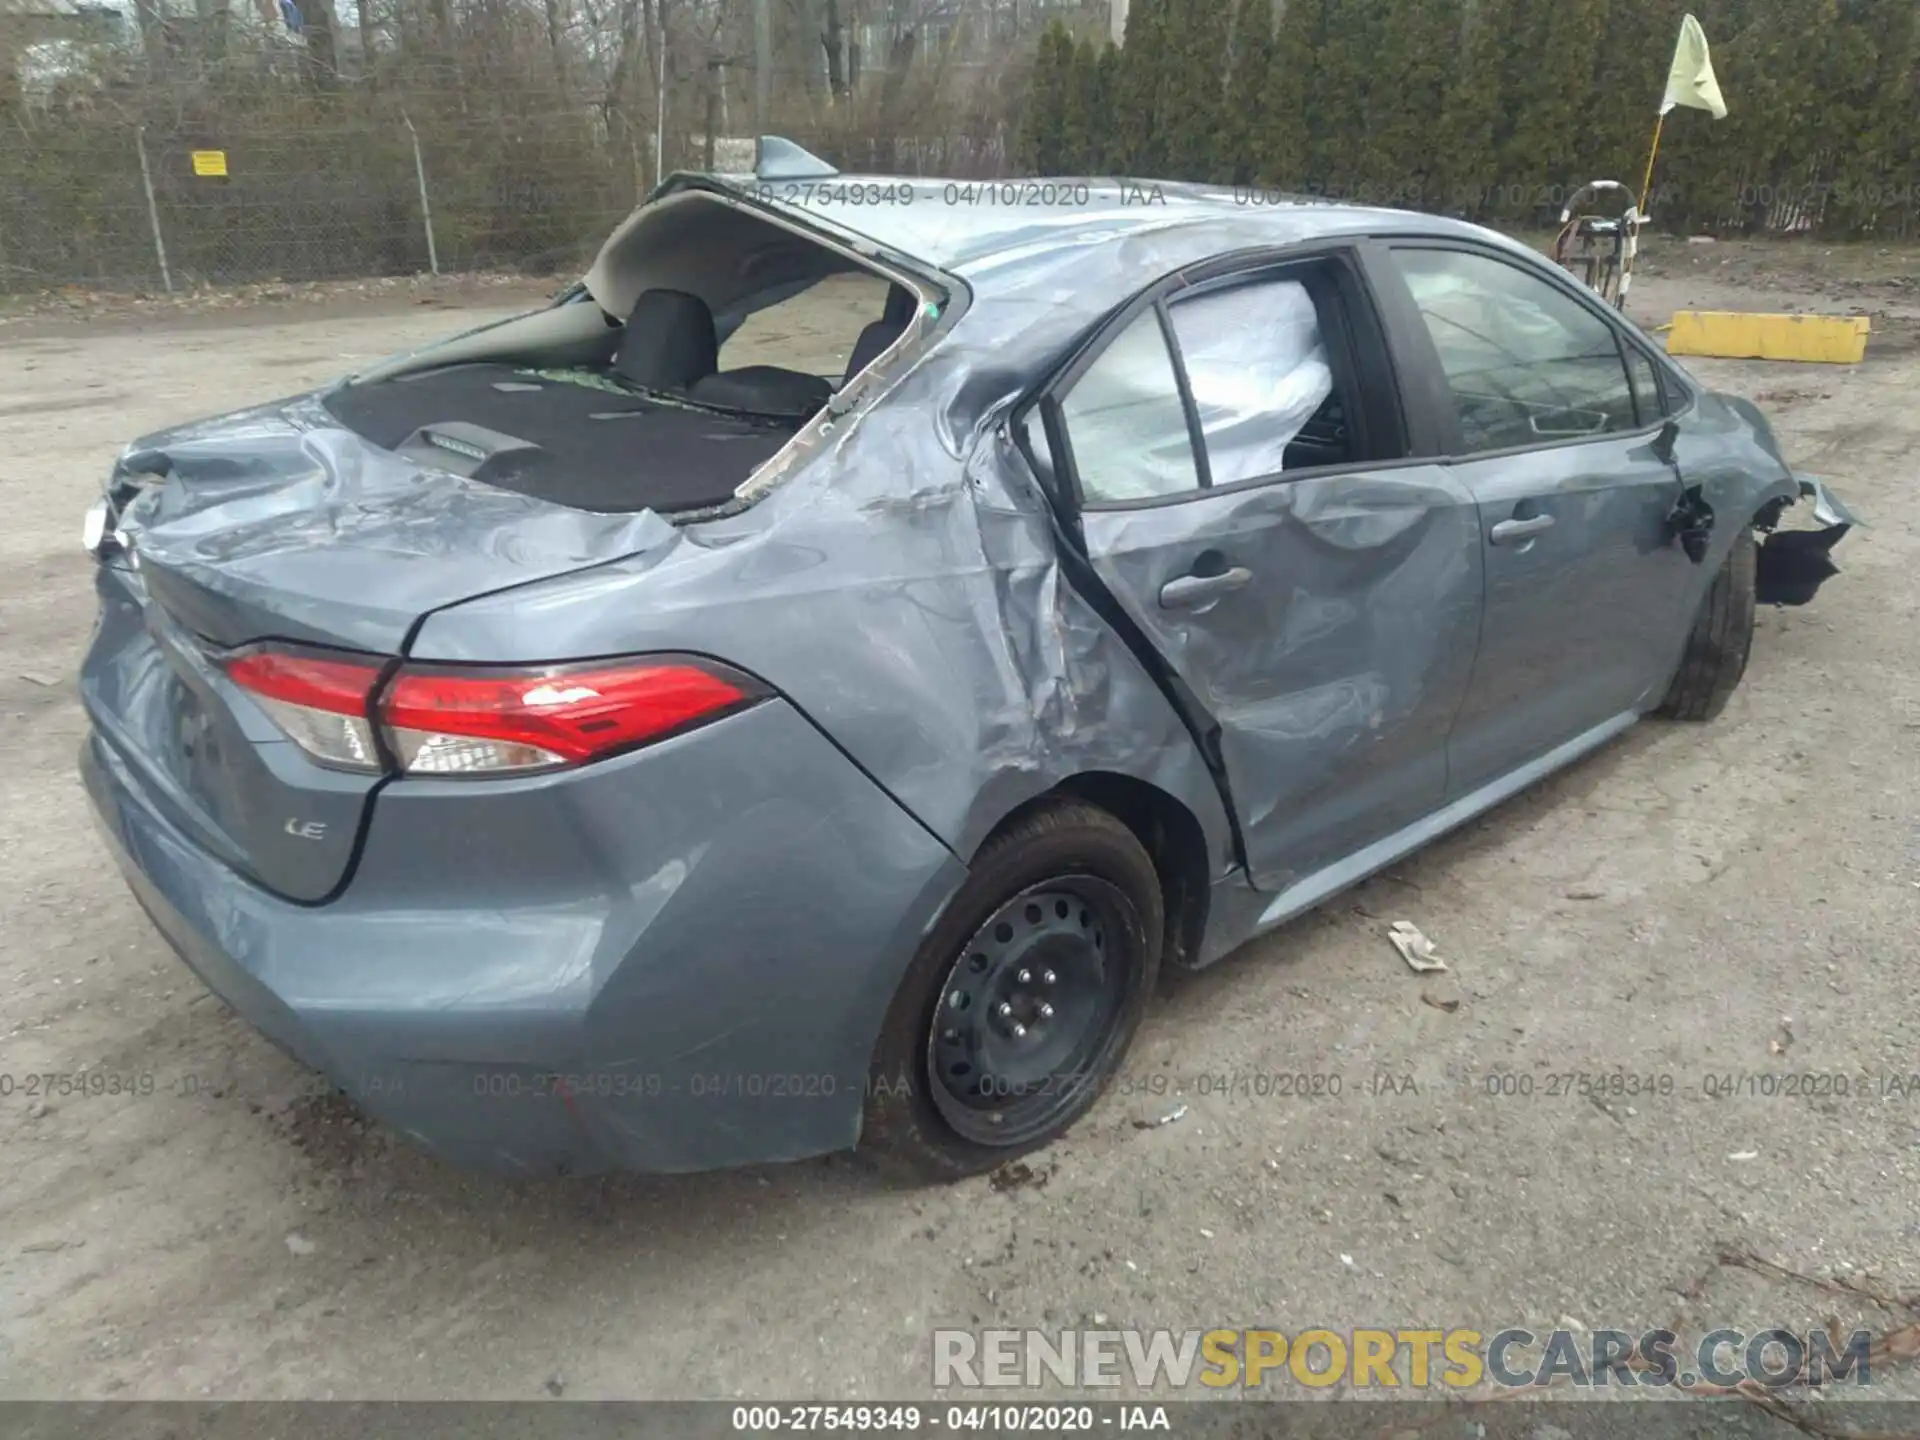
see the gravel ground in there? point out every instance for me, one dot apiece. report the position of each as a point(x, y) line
point(1725, 900)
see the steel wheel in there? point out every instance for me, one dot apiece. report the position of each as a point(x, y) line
point(1028, 1012)
point(1020, 1001)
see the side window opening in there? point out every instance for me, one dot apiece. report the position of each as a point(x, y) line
point(1648, 398)
point(1250, 380)
point(1125, 421)
point(816, 330)
point(1526, 364)
point(1268, 395)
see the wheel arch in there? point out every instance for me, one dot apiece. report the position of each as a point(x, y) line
point(1167, 830)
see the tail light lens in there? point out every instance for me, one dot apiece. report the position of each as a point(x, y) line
point(453, 722)
point(442, 720)
point(320, 703)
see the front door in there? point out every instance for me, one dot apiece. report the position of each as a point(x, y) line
point(1557, 420)
point(1242, 497)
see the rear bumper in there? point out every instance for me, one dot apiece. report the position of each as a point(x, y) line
point(676, 960)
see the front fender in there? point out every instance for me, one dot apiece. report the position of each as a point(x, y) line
point(1794, 564)
point(1828, 508)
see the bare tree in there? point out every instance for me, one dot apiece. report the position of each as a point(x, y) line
point(556, 36)
point(635, 26)
point(323, 44)
point(831, 40)
point(215, 17)
point(903, 46)
point(150, 18)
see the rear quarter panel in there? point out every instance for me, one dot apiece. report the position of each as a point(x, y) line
point(903, 592)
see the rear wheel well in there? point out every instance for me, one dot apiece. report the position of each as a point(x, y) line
point(1169, 833)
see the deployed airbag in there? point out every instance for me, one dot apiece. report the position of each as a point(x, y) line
point(1258, 370)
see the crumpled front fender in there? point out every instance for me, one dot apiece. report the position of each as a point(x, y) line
point(1828, 508)
point(1794, 564)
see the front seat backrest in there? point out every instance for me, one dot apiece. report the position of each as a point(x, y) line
point(669, 341)
point(891, 325)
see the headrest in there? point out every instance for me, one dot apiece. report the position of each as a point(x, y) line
point(900, 306)
point(891, 325)
point(669, 341)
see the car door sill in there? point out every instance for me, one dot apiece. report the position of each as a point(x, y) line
point(1308, 892)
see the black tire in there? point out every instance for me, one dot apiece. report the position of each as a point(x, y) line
point(1067, 882)
point(1721, 640)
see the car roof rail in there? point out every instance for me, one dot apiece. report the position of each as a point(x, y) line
point(776, 158)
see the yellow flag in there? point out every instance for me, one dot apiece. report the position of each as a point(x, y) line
point(1690, 82)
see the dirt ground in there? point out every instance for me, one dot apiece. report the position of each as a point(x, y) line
point(1730, 900)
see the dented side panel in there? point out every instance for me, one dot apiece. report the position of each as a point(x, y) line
point(1334, 673)
point(911, 604)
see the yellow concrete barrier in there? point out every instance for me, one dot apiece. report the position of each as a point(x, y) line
point(1735, 335)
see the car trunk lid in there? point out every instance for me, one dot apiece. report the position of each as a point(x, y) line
point(267, 527)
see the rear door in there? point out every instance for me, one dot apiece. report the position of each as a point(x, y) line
point(1242, 485)
point(1554, 414)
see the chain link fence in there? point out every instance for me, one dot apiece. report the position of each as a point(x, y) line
point(151, 188)
point(127, 206)
point(122, 205)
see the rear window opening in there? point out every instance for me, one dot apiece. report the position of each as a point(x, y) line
point(705, 341)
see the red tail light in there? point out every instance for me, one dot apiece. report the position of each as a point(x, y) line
point(485, 721)
point(341, 686)
point(459, 722)
point(320, 702)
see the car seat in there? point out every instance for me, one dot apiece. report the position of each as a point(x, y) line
point(668, 343)
point(891, 325)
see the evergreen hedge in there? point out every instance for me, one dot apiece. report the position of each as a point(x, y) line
point(1497, 109)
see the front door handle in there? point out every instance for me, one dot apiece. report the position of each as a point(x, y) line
point(1508, 531)
point(1192, 590)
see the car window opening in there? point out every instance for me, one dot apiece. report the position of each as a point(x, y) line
point(705, 340)
point(1245, 382)
point(1526, 364)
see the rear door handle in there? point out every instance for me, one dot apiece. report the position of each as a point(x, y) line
point(1508, 531)
point(1191, 590)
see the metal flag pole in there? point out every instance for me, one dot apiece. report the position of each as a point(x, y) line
point(1646, 183)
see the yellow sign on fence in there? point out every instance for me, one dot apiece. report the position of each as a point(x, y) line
point(210, 162)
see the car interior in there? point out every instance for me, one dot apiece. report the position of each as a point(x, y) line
point(1324, 439)
point(631, 409)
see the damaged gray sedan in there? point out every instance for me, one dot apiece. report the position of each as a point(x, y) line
point(591, 753)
